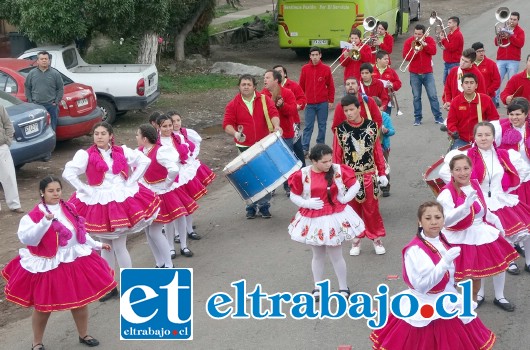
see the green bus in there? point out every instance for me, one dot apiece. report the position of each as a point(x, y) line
point(324, 23)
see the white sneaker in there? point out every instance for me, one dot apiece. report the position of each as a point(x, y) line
point(355, 247)
point(378, 246)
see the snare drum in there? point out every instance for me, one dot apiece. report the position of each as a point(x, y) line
point(432, 178)
point(262, 168)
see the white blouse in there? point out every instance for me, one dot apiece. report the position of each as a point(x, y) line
point(187, 171)
point(166, 157)
point(31, 233)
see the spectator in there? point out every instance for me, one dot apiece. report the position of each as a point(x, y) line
point(8, 177)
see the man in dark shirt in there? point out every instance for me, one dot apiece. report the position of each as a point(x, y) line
point(44, 86)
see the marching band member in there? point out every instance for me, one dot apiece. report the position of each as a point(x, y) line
point(373, 87)
point(387, 75)
point(59, 269)
point(489, 70)
point(325, 219)
point(428, 270)
point(385, 41)
point(453, 45)
point(419, 50)
point(352, 65)
point(387, 130)
point(358, 146)
point(466, 110)
point(112, 201)
point(470, 225)
point(517, 86)
point(509, 42)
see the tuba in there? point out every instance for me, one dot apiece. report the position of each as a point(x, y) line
point(439, 28)
point(370, 25)
point(502, 29)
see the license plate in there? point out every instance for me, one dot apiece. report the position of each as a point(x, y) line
point(31, 128)
point(82, 102)
point(319, 42)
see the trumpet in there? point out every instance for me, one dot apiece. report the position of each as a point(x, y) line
point(354, 53)
point(502, 29)
point(439, 29)
point(417, 46)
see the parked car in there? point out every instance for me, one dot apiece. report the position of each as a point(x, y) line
point(78, 110)
point(414, 10)
point(34, 138)
point(119, 87)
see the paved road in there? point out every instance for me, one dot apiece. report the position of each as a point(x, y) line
point(261, 252)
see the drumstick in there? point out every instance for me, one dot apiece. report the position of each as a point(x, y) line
point(516, 90)
point(240, 130)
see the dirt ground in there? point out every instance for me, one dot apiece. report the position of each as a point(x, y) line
point(202, 112)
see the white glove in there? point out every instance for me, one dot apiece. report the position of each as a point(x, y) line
point(311, 203)
point(86, 189)
point(494, 219)
point(450, 255)
point(471, 198)
point(383, 180)
point(240, 136)
point(350, 194)
point(169, 182)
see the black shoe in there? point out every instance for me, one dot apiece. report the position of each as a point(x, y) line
point(265, 213)
point(89, 342)
point(520, 250)
point(526, 268)
point(443, 128)
point(251, 213)
point(112, 294)
point(173, 253)
point(176, 239)
point(186, 252)
point(513, 269)
point(480, 300)
point(505, 306)
point(38, 346)
point(193, 235)
point(345, 292)
point(316, 295)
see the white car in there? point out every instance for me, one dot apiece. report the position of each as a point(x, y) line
point(414, 10)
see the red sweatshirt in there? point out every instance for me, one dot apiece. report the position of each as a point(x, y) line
point(287, 112)
point(513, 51)
point(463, 115)
point(254, 125)
point(375, 112)
point(376, 88)
point(301, 100)
point(387, 45)
point(453, 82)
point(454, 45)
point(352, 68)
point(519, 85)
point(422, 62)
point(317, 83)
point(491, 75)
point(388, 74)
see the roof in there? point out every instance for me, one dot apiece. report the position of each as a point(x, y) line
point(15, 64)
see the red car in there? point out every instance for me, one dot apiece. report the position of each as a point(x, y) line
point(78, 110)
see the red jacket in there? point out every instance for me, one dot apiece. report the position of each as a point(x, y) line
point(352, 68)
point(386, 45)
point(376, 88)
point(422, 62)
point(317, 83)
point(388, 74)
point(463, 115)
point(254, 125)
point(287, 112)
point(454, 45)
point(375, 112)
point(491, 75)
point(301, 100)
point(513, 51)
point(519, 85)
point(453, 82)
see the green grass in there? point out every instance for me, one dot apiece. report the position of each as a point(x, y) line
point(267, 17)
point(186, 83)
point(222, 10)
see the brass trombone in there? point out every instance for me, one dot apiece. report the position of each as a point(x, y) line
point(417, 46)
point(439, 29)
point(502, 29)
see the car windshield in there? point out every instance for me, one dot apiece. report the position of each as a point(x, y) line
point(7, 100)
point(66, 81)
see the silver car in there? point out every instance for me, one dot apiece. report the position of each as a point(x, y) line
point(34, 138)
point(414, 10)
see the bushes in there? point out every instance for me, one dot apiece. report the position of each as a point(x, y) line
point(114, 52)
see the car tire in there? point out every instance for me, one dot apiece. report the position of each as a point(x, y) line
point(109, 111)
point(19, 166)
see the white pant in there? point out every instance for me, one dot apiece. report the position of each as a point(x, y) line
point(8, 178)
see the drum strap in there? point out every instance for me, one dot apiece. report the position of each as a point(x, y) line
point(479, 109)
point(266, 113)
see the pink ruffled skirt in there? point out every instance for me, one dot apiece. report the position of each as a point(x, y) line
point(175, 204)
point(204, 174)
point(514, 219)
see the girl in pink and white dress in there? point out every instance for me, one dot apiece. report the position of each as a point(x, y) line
point(186, 180)
point(324, 219)
point(428, 270)
point(160, 178)
point(59, 269)
point(203, 173)
point(112, 201)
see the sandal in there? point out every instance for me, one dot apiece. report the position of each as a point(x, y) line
point(316, 294)
point(89, 342)
point(38, 346)
point(345, 292)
